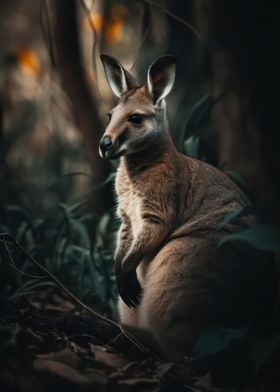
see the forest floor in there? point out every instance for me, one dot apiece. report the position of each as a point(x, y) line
point(51, 341)
point(48, 343)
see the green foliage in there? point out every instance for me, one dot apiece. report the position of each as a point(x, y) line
point(262, 236)
point(199, 118)
point(217, 339)
point(199, 139)
point(70, 241)
point(191, 147)
point(235, 176)
point(234, 215)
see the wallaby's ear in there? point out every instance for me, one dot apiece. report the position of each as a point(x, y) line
point(161, 77)
point(118, 78)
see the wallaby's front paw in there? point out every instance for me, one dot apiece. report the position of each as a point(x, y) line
point(128, 287)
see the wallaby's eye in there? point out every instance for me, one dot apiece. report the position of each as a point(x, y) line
point(136, 118)
point(109, 116)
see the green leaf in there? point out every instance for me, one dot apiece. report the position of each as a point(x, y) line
point(92, 272)
point(80, 249)
point(80, 229)
point(66, 210)
point(236, 214)
point(264, 237)
point(217, 339)
point(191, 146)
point(103, 224)
point(236, 177)
point(200, 114)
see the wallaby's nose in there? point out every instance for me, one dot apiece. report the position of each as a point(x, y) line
point(105, 143)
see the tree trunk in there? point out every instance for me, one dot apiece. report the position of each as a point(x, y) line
point(84, 105)
point(242, 48)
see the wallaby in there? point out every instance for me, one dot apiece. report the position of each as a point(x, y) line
point(174, 281)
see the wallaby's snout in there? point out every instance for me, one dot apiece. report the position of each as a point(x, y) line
point(110, 146)
point(105, 145)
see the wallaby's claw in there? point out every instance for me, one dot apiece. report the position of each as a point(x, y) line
point(129, 288)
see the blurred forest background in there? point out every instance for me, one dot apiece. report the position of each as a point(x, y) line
point(56, 195)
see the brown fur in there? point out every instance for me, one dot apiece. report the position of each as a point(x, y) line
point(170, 206)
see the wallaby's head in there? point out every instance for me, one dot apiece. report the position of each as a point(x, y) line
point(138, 121)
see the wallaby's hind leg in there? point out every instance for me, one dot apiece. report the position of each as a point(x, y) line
point(129, 320)
point(170, 300)
point(192, 285)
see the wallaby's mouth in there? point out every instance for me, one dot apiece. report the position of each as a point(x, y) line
point(110, 150)
point(114, 155)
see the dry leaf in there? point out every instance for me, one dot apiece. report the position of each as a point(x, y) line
point(110, 359)
point(206, 382)
point(139, 382)
point(65, 356)
point(60, 369)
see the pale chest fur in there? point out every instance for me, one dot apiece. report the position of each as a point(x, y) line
point(130, 202)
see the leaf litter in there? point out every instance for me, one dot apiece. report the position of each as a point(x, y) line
point(56, 348)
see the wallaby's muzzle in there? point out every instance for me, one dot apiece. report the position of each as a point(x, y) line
point(108, 148)
point(106, 143)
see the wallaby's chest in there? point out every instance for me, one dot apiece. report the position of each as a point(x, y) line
point(152, 192)
point(132, 205)
point(130, 202)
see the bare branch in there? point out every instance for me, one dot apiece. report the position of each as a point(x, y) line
point(169, 13)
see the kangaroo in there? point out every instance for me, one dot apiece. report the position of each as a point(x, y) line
point(173, 280)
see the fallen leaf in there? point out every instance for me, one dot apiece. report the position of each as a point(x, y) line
point(139, 382)
point(65, 356)
point(62, 370)
point(206, 382)
point(110, 359)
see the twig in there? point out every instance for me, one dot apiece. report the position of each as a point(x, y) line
point(136, 342)
point(12, 264)
point(25, 273)
point(6, 236)
point(169, 13)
